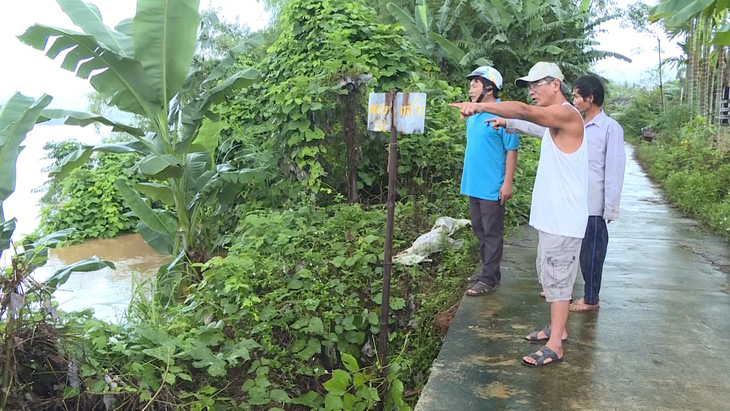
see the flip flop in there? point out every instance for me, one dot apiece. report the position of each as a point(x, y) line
point(532, 337)
point(581, 307)
point(473, 278)
point(479, 288)
point(546, 353)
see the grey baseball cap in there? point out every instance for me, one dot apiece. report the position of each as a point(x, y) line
point(539, 71)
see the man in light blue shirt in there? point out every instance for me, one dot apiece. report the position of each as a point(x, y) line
point(489, 165)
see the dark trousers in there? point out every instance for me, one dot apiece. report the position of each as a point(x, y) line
point(592, 256)
point(487, 222)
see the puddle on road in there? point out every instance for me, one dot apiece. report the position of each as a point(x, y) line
point(106, 291)
point(499, 390)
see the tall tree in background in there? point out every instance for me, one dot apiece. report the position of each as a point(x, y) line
point(514, 35)
point(708, 37)
point(638, 17)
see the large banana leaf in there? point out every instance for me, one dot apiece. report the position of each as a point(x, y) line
point(109, 73)
point(36, 254)
point(6, 231)
point(211, 184)
point(237, 81)
point(157, 192)
point(88, 18)
point(159, 222)
point(77, 118)
point(452, 50)
point(408, 22)
point(161, 167)
point(228, 62)
point(164, 42)
point(422, 17)
point(676, 12)
point(71, 162)
point(17, 118)
point(208, 135)
point(53, 240)
point(80, 156)
point(162, 243)
point(194, 113)
point(61, 275)
point(125, 27)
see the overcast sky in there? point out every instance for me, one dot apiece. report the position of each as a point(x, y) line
point(32, 73)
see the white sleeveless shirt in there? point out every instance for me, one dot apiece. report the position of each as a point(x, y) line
point(560, 196)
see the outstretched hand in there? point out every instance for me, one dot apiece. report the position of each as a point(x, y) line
point(497, 122)
point(467, 109)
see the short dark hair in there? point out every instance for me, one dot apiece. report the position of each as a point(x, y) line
point(590, 85)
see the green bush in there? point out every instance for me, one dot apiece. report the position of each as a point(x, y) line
point(717, 216)
point(691, 191)
point(694, 172)
point(643, 110)
point(293, 305)
point(88, 201)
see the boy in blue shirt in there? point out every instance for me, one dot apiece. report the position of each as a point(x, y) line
point(489, 167)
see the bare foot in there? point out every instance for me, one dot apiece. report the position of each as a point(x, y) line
point(580, 306)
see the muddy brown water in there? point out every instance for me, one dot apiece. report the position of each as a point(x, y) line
point(106, 291)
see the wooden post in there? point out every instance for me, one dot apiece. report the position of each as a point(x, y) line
point(388, 262)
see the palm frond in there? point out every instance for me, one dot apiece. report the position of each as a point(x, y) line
point(443, 15)
point(597, 22)
point(455, 15)
point(595, 55)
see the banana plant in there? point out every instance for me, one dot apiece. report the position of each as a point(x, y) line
point(429, 34)
point(145, 66)
point(19, 291)
point(17, 117)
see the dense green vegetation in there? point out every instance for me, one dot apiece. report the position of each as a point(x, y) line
point(260, 153)
point(689, 157)
point(86, 199)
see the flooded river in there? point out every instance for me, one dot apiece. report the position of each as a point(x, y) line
point(106, 291)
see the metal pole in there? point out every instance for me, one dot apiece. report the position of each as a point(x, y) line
point(388, 263)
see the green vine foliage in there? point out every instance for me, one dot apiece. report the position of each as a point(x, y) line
point(88, 201)
point(326, 51)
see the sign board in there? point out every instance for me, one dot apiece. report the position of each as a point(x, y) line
point(410, 109)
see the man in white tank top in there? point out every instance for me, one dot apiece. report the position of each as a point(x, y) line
point(559, 209)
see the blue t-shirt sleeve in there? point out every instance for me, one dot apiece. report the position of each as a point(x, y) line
point(511, 141)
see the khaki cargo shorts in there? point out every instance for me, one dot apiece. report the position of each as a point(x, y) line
point(557, 265)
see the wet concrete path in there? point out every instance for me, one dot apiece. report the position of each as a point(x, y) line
point(661, 339)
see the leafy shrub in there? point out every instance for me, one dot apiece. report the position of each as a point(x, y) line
point(694, 172)
point(692, 190)
point(717, 216)
point(643, 110)
point(294, 301)
point(88, 201)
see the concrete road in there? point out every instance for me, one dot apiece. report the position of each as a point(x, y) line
point(660, 340)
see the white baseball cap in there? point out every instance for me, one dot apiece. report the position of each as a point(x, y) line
point(539, 71)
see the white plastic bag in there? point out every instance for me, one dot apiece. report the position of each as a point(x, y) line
point(433, 241)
